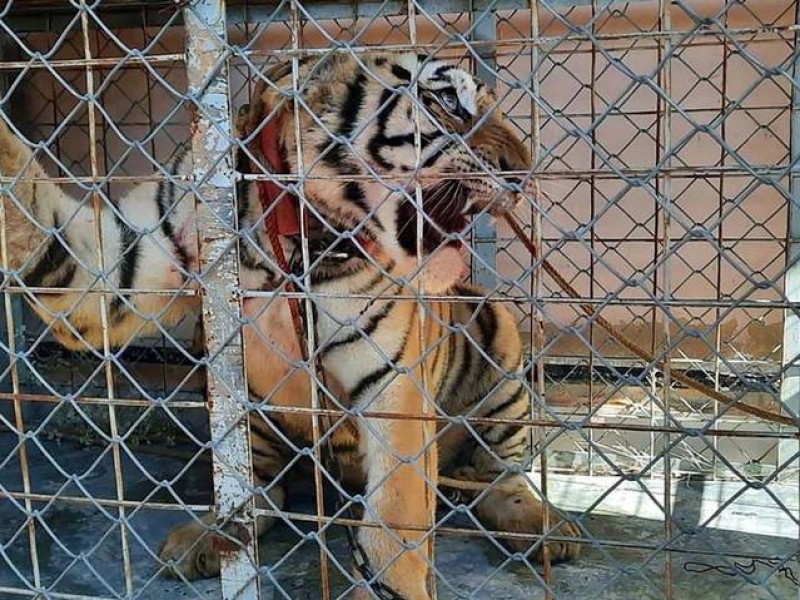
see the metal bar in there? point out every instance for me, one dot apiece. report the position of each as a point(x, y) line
point(790, 388)
point(128, 402)
point(28, 16)
point(665, 82)
point(592, 235)
point(98, 207)
point(484, 230)
point(215, 190)
point(15, 397)
point(720, 235)
point(430, 450)
point(316, 430)
point(571, 421)
point(612, 301)
point(131, 61)
point(674, 547)
point(537, 338)
point(554, 45)
point(774, 171)
point(82, 500)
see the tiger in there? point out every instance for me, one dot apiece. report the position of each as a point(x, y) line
point(374, 337)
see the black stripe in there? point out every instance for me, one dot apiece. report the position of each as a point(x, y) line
point(65, 280)
point(387, 105)
point(266, 451)
point(439, 346)
point(514, 450)
point(165, 200)
point(376, 279)
point(269, 432)
point(251, 247)
point(379, 373)
point(53, 259)
point(465, 369)
point(128, 267)
point(487, 324)
point(407, 139)
point(355, 194)
point(463, 289)
point(323, 275)
point(363, 333)
point(348, 114)
point(431, 160)
point(440, 72)
point(350, 447)
point(509, 432)
point(401, 73)
point(261, 428)
point(506, 404)
point(370, 380)
point(335, 155)
point(452, 350)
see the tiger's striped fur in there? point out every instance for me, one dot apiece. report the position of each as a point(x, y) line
point(357, 142)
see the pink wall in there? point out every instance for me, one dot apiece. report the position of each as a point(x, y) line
point(626, 235)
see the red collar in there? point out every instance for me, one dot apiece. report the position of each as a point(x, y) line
point(286, 214)
point(282, 209)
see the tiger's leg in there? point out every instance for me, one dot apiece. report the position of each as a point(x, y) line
point(270, 346)
point(511, 504)
point(396, 452)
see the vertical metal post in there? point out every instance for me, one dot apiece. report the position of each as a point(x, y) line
point(790, 389)
point(116, 442)
point(430, 459)
point(17, 406)
point(665, 82)
point(207, 74)
point(18, 306)
point(484, 270)
point(538, 406)
point(311, 341)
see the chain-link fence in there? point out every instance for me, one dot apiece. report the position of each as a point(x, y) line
point(355, 418)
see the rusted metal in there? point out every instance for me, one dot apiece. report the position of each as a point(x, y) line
point(309, 344)
point(537, 336)
point(713, 359)
point(790, 388)
point(215, 192)
point(664, 208)
point(98, 208)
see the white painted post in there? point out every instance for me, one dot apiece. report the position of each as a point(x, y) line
point(207, 73)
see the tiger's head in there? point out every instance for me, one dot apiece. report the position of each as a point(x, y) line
point(373, 128)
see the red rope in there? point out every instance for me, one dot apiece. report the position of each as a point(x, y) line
point(281, 213)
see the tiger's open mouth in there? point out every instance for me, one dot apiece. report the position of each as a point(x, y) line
point(445, 204)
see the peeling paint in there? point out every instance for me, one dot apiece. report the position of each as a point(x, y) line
point(216, 186)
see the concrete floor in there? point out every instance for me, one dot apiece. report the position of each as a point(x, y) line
point(79, 546)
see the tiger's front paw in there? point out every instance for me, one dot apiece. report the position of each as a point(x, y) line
point(191, 551)
point(518, 510)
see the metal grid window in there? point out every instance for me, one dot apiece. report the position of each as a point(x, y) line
point(664, 141)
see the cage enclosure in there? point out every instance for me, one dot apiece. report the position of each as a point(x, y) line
point(660, 182)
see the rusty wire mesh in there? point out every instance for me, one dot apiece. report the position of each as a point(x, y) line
point(664, 136)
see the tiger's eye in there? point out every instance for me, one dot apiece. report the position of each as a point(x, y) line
point(449, 100)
